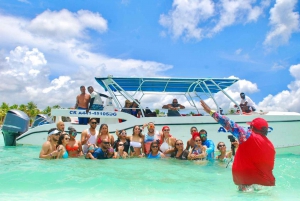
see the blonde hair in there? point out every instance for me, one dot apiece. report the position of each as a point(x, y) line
point(59, 123)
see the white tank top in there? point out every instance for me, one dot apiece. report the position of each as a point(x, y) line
point(91, 140)
point(165, 146)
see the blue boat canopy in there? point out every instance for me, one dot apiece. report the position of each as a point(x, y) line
point(163, 84)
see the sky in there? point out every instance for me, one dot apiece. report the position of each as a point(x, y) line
point(48, 49)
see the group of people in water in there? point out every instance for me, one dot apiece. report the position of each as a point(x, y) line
point(250, 168)
point(145, 141)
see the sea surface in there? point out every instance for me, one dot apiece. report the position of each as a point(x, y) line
point(23, 176)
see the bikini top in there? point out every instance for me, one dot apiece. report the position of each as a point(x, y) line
point(136, 144)
point(165, 146)
point(100, 140)
point(69, 148)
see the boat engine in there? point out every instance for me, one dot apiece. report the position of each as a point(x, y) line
point(15, 123)
point(41, 119)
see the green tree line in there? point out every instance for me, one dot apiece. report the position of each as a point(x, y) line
point(30, 109)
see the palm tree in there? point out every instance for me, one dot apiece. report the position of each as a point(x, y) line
point(23, 108)
point(32, 110)
point(47, 110)
point(14, 106)
point(3, 110)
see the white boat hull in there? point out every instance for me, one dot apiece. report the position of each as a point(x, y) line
point(283, 127)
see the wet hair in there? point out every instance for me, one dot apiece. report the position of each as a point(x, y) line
point(202, 130)
point(176, 143)
point(140, 134)
point(152, 143)
point(193, 127)
point(93, 118)
point(89, 87)
point(101, 126)
point(61, 137)
point(82, 86)
point(219, 144)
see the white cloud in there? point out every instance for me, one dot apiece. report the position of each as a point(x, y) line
point(196, 19)
point(287, 100)
point(284, 22)
point(184, 17)
point(64, 24)
point(238, 51)
point(30, 70)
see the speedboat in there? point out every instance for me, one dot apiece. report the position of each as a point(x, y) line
point(283, 126)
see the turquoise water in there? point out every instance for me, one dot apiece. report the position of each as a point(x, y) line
point(25, 177)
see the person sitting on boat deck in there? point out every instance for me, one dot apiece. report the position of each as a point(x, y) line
point(96, 102)
point(127, 107)
point(74, 146)
point(150, 136)
point(120, 153)
point(122, 137)
point(167, 142)
point(191, 142)
point(82, 102)
point(254, 159)
point(135, 111)
point(49, 150)
point(60, 125)
point(61, 146)
point(199, 151)
point(180, 153)
point(209, 144)
point(149, 113)
point(154, 151)
point(89, 135)
point(247, 105)
point(104, 134)
point(173, 109)
point(102, 151)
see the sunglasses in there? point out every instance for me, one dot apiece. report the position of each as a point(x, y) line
point(74, 134)
point(175, 102)
point(222, 145)
point(203, 135)
point(123, 133)
point(197, 140)
point(105, 142)
point(67, 138)
point(194, 130)
point(121, 145)
point(93, 122)
point(166, 130)
point(57, 134)
point(179, 144)
point(154, 146)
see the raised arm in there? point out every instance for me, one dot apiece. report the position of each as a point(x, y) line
point(239, 132)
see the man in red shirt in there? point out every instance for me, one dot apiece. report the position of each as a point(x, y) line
point(254, 160)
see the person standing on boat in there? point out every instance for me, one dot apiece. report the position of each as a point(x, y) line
point(49, 147)
point(247, 105)
point(88, 136)
point(254, 159)
point(208, 143)
point(173, 109)
point(82, 102)
point(96, 102)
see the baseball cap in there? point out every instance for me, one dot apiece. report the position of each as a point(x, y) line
point(259, 123)
point(71, 128)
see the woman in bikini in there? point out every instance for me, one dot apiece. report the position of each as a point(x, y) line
point(74, 146)
point(199, 151)
point(61, 146)
point(137, 142)
point(104, 134)
point(167, 142)
point(120, 153)
point(179, 152)
point(154, 151)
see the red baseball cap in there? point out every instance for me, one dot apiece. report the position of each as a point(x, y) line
point(258, 123)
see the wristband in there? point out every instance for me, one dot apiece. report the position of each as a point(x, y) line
point(211, 112)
